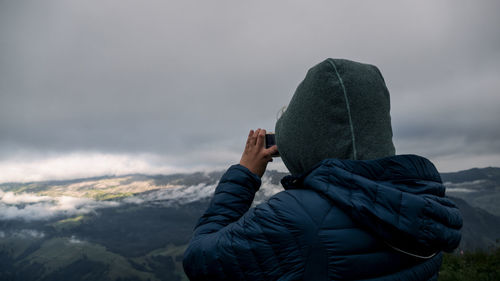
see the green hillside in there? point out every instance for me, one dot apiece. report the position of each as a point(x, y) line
point(63, 258)
point(477, 266)
point(130, 242)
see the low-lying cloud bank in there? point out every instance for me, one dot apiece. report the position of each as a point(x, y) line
point(33, 207)
point(179, 195)
point(23, 233)
point(193, 193)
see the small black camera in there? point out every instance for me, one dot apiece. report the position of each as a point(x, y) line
point(270, 141)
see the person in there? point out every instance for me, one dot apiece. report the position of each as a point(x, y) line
point(351, 209)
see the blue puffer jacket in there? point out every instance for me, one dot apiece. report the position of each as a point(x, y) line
point(383, 219)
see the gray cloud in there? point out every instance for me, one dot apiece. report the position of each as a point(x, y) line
point(30, 207)
point(178, 79)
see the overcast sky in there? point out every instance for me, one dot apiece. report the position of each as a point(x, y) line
point(109, 87)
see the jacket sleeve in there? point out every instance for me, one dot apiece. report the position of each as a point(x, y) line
point(232, 198)
point(232, 241)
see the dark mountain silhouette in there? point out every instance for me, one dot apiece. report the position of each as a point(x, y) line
point(490, 173)
point(481, 230)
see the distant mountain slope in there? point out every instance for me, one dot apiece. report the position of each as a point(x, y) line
point(478, 187)
point(490, 173)
point(481, 230)
point(108, 185)
point(128, 242)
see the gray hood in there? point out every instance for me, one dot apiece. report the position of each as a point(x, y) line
point(340, 110)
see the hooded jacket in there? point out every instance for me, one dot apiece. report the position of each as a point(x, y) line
point(341, 216)
point(382, 219)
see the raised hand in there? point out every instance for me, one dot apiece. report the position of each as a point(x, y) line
point(256, 156)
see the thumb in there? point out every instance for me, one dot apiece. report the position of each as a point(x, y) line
point(272, 150)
